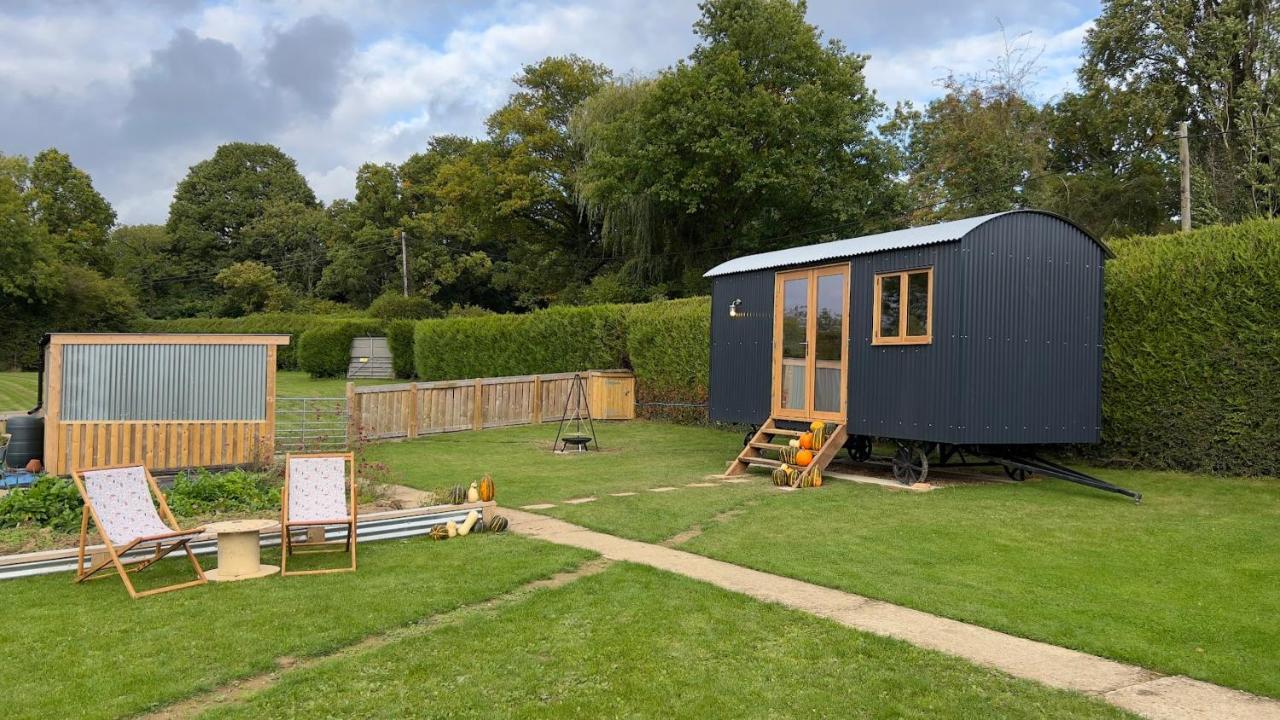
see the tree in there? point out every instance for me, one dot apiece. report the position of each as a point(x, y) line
point(248, 287)
point(75, 215)
point(219, 199)
point(140, 259)
point(761, 134)
point(1211, 62)
point(292, 237)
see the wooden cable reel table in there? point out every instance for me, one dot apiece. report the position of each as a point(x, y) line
point(239, 550)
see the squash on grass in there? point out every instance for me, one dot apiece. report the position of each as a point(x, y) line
point(486, 488)
point(497, 524)
point(439, 532)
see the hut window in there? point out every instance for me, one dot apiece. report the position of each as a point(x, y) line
point(903, 308)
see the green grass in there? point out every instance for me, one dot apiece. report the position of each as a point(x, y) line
point(89, 651)
point(635, 456)
point(295, 383)
point(1184, 583)
point(633, 642)
point(17, 391)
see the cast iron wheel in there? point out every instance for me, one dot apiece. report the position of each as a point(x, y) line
point(859, 448)
point(910, 464)
point(746, 439)
point(1016, 474)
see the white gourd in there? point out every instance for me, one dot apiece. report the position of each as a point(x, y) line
point(452, 527)
point(473, 493)
point(470, 522)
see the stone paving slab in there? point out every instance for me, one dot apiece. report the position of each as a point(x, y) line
point(539, 506)
point(622, 494)
point(1133, 688)
point(703, 484)
point(579, 501)
point(661, 489)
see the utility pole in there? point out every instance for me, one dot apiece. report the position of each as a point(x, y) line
point(404, 263)
point(1184, 161)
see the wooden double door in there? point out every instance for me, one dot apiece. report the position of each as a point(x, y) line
point(811, 343)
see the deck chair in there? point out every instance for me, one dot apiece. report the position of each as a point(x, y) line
point(319, 492)
point(119, 500)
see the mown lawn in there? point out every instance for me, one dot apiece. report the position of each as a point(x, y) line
point(633, 642)
point(17, 391)
point(1183, 583)
point(634, 456)
point(88, 651)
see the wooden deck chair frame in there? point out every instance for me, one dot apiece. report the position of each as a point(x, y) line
point(287, 526)
point(116, 553)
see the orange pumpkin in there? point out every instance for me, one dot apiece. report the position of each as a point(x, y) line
point(806, 441)
point(803, 458)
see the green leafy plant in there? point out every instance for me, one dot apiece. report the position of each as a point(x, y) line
point(325, 350)
point(292, 324)
point(400, 340)
point(51, 502)
point(200, 492)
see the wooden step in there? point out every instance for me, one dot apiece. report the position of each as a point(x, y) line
point(783, 431)
point(764, 462)
point(765, 446)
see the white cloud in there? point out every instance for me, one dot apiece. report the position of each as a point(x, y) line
point(69, 74)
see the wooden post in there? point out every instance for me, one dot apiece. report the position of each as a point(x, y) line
point(477, 410)
point(268, 448)
point(1184, 162)
point(411, 422)
point(535, 413)
point(353, 415)
point(55, 452)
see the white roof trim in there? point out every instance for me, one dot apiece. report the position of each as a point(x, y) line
point(808, 254)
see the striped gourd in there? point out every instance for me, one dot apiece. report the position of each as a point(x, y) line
point(819, 430)
point(788, 454)
point(439, 532)
point(457, 495)
point(497, 524)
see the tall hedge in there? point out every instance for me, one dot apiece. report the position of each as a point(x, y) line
point(325, 350)
point(293, 325)
point(669, 349)
point(1192, 371)
point(400, 340)
point(559, 339)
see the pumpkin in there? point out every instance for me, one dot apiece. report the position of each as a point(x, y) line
point(806, 441)
point(784, 475)
point(788, 455)
point(497, 523)
point(486, 488)
point(473, 493)
point(472, 518)
point(439, 532)
point(804, 457)
point(817, 425)
point(457, 495)
point(480, 526)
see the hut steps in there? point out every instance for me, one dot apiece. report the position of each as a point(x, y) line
point(751, 453)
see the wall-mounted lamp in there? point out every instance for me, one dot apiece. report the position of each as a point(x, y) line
point(733, 307)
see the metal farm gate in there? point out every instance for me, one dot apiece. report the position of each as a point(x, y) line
point(311, 424)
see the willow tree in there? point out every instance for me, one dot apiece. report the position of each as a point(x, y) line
point(760, 139)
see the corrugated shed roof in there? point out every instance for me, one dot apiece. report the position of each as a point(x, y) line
point(865, 245)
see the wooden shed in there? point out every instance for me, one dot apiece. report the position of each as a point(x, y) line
point(168, 401)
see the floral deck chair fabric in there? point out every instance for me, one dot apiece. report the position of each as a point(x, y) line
point(319, 492)
point(122, 501)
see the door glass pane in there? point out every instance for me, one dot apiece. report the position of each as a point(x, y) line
point(890, 299)
point(826, 388)
point(918, 304)
point(830, 317)
point(795, 316)
point(793, 385)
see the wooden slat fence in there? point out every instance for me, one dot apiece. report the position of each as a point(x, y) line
point(411, 409)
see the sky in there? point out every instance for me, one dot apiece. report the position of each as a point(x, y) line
point(137, 92)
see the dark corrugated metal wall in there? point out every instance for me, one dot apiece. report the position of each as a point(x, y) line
point(1016, 356)
point(741, 348)
point(910, 392)
point(1032, 357)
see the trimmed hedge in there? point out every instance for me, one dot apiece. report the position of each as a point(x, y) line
point(400, 339)
point(1192, 371)
point(290, 324)
point(325, 350)
point(558, 339)
point(669, 348)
